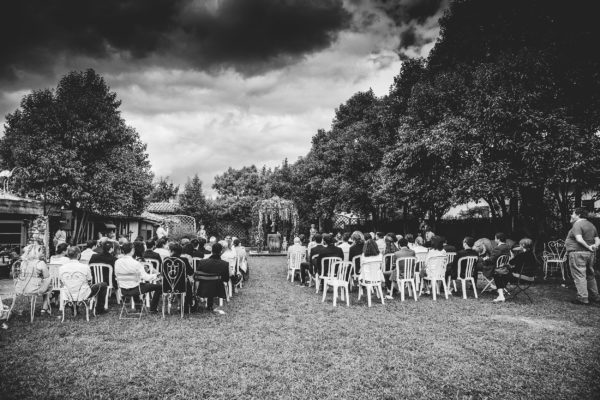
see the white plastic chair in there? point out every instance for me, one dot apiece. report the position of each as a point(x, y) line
point(98, 276)
point(467, 264)
point(353, 275)
point(450, 257)
point(489, 283)
point(70, 294)
point(320, 274)
point(338, 280)
point(54, 279)
point(294, 261)
point(371, 277)
point(435, 269)
point(419, 266)
point(409, 277)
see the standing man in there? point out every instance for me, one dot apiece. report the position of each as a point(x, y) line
point(581, 244)
point(59, 237)
point(162, 231)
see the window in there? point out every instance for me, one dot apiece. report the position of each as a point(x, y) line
point(11, 234)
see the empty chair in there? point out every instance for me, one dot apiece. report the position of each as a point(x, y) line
point(555, 256)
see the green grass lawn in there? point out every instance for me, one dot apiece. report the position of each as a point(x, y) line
point(279, 340)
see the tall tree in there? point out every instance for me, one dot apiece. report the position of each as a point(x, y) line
point(192, 200)
point(76, 150)
point(164, 189)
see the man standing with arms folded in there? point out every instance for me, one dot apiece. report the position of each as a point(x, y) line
point(581, 244)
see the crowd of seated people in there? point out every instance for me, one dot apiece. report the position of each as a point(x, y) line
point(373, 246)
point(131, 274)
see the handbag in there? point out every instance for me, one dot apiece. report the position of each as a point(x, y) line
point(502, 270)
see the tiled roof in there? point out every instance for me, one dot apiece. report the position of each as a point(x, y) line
point(152, 217)
point(163, 208)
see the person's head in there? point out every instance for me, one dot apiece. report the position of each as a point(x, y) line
point(468, 242)
point(236, 242)
point(357, 237)
point(380, 235)
point(419, 241)
point(403, 242)
point(217, 249)
point(90, 244)
point(139, 249)
point(500, 237)
point(195, 243)
point(483, 246)
point(410, 238)
point(226, 245)
point(201, 242)
point(185, 241)
point(123, 240)
point(201, 227)
point(73, 252)
point(127, 249)
point(188, 249)
point(139, 238)
point(329, 239)
point(312, 226)
point(61, 249)
point(112, 235)
point(160, 244)
point(368, 236)
point(578, 212)
point(108, 247)
point(150, 244)
point(176, 250)
point(370, 248)
point(298, 241)
point(346, 237)
point(213, 240)
point(34, 252)
point(318, 238)
point(526, 244)
point(437, 243)
point(392, 236)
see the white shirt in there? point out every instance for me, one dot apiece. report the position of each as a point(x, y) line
point(161, 232)
point(79, 289)
point(380, 245)
point(87, 254)
point(59, 260)
point(163, 253)
point(230, 256)
point(131, 272)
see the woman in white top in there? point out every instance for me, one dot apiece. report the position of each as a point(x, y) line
point(34, 276)
point(228, 255)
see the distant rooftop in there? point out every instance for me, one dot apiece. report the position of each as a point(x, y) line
point(163, 207)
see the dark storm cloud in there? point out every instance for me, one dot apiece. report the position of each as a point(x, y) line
point(248, 35)
point(406, 11)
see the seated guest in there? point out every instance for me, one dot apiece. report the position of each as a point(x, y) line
point(187, 252)
point(61, 254)
point(309, 266)
point(411, 240)
point(138, 250)
point(380, 242)
point(126, 268)
point(34, 277)
point(403, 252)
point(433, 258)
point(213, 265)
point(161, 249)
point(150, 254)
point(418, 246)
point(523, 263)
point(210, 243)
point(501, 249)
point(358, 244)
point(467, 251)
point(82, 290)
point(390, 244)
point(198, 246)
point(177, 252)
point(240, 252)
point(88, 252)
point(370, 253)
point(345, 246)
point(338, 239)
point(330, 250)
point(448, 248)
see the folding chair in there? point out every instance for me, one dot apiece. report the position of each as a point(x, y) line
point(522, 283)
point(502, 260)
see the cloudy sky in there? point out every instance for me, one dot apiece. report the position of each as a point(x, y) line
point(210, 84)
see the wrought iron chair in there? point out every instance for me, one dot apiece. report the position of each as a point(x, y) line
point(294, 260)
point(19, 275)
point(555, 256)
point(103, 273)
point(70, 294)
point(174, 283)
point(339, 279)
point(408, 279)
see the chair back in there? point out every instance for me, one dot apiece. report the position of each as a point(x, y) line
point(296, 257)
point(419, 266)
point(173, 274)
point(73, 283)
point(54, 278)
point(342, 269)
point(355, 265)
point(195, 261)
point(435, 267)
point(156, 269)
point(421, 256)
point(388, 263)
point(467, 264)
point(450, 257)
point(555, 250)
point(17, 272)
point(409, 264)
point(502, 260)
point(370, 271)
point(329, 263)
point(98, 273)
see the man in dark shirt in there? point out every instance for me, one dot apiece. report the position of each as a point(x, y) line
point(501, 249)
point(150, 253)
point(330, 250)
point(106, 257)
point(199, 250)
point(212, 267)
point(309, 266)
point(581, 244)
point(467, 251)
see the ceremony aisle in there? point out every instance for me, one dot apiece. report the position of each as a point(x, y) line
point(278, 340)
